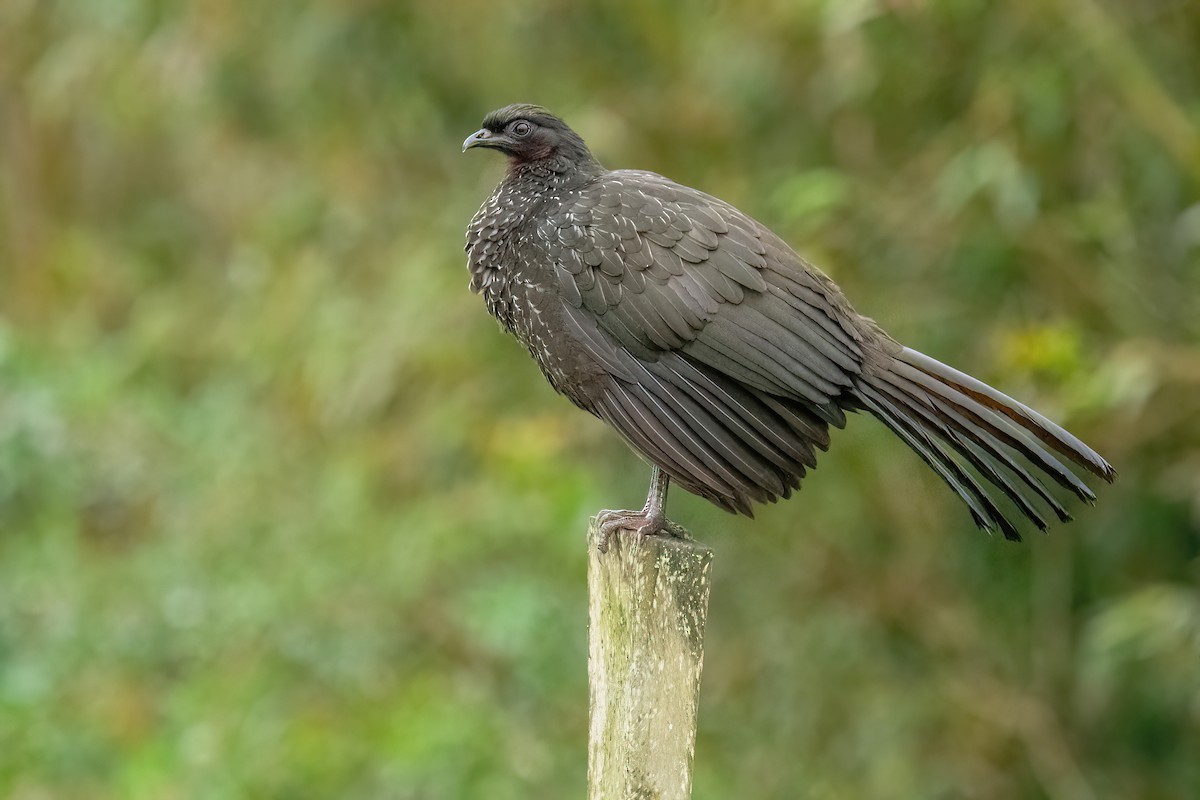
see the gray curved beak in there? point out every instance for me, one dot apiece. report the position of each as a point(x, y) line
point(479, 138)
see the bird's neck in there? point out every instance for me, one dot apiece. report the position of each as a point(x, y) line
point(554, 173)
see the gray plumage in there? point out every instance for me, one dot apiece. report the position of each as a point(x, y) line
point(717, 353)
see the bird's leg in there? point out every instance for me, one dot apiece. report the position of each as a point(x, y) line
point(650, 521)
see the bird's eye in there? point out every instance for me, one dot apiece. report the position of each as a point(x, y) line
point(521, 128)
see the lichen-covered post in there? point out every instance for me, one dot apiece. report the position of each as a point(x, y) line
point(648, 602)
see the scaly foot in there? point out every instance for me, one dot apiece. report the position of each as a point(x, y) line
point(646, 522)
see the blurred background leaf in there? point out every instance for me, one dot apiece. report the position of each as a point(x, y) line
point(282, 514)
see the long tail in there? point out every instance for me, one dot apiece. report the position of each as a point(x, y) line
point(935, 409)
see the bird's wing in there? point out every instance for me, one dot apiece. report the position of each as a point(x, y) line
point(664, 268)
point(728, 351)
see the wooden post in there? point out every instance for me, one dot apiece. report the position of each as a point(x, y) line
point(648, 602)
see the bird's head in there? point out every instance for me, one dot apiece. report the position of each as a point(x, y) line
point(530, 134)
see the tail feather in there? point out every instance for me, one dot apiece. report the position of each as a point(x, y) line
point(1002, 427)
point(983, 508)
point(936, 409)
point(983, 460)
point(989, 471)
point(991, 446)
point(1023, 415)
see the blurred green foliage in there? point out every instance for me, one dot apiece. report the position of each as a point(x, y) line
point(282, 514)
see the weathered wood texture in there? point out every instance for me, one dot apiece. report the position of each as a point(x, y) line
point(648, 602)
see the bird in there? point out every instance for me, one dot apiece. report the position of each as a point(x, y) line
point(720, 355)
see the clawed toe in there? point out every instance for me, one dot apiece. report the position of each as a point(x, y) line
point(613, 521)
point(675, 529)
point(643, 523)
